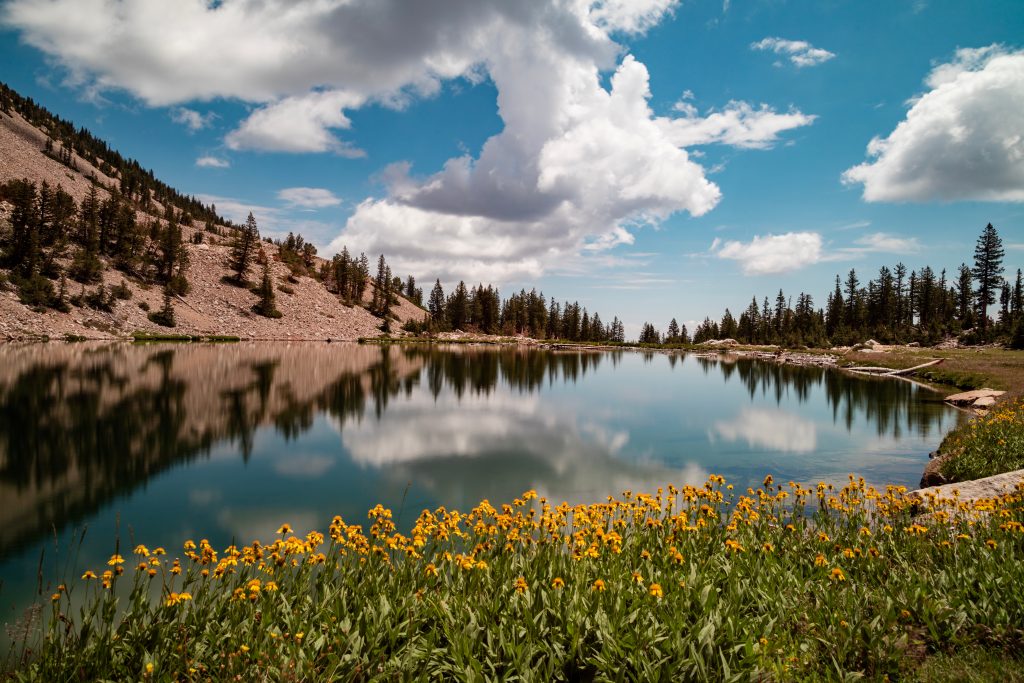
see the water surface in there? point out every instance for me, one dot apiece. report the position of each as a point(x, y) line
point(161, 443)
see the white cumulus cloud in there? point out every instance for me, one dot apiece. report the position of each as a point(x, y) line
point(575, 169)
point(963, 139)
point(738, 125)
point(772, 254)
point(799, 52)
point(308, 197)
point(298, 124)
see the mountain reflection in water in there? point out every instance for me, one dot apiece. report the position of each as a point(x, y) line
point(250, 432)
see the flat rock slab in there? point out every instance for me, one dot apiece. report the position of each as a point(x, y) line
point(970, 397)
point(989, 487)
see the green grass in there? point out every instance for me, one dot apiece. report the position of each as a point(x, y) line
point(703, 583)
point(986, 445)
point(972, 665)
point(170, 337)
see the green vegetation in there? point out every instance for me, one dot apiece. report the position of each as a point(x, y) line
point(266, 306)
point(161, 337)
point(691, 584)
point(987, 445)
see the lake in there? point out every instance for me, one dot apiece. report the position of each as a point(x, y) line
point(160, 443)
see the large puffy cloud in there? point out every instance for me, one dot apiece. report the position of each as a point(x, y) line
point(575, 168)
point(963, 139)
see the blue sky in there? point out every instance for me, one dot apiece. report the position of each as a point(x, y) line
point(650, 158)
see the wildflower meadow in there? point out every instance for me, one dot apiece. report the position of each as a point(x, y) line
point(700, 583)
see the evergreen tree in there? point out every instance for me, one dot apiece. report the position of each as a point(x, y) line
point(987, 271)
point(165, 316)
point(435, 305)
point(672, 335)
point(243, 249)
point(964, 296)
point(458, 307)
point(266, 305)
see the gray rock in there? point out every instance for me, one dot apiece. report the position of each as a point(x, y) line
point(970, 397)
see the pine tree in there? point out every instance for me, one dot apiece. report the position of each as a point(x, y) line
point(436, 305)
point(987, 271)
point(266, 305)
point(380, 303)
point(672, 335)
point(165, 316)
point(964, 295)
point(243, 249)
point(87, 266)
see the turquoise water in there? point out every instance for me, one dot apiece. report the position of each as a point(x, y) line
point(162, 443)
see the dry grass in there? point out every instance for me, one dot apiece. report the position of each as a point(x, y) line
point(961, 368)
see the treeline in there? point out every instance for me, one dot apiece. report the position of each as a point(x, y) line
point(135, 183)
point(481, 309)
point(897, 306)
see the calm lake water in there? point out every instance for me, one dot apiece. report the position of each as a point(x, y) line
point(161, 443)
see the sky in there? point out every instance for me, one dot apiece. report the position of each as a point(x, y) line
point(651, 159)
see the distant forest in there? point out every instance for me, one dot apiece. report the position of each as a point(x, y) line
point(975, 303)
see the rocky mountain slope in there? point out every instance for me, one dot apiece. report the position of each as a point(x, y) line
point(211, 307)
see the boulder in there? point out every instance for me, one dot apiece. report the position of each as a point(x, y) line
point(984, 402)
point(967, 398)
point(932, 475)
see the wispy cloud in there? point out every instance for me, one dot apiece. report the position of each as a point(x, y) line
point(800, 52)
point(308, 197)
point(192, 119)
point(212, 162)
point(786, 252)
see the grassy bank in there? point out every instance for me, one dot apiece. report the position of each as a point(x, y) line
point(964, 369)
point(698, 584)
point(986, 445)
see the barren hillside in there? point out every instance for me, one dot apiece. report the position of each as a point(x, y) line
point(211, 307)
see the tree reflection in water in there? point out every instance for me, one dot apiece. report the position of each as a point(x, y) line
point(81, 424)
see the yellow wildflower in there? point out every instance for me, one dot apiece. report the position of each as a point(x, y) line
point(598, 586)
point(89, 574)
point(520, 585)
point(558, 583)
point(837, 575)
point(655, 590)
